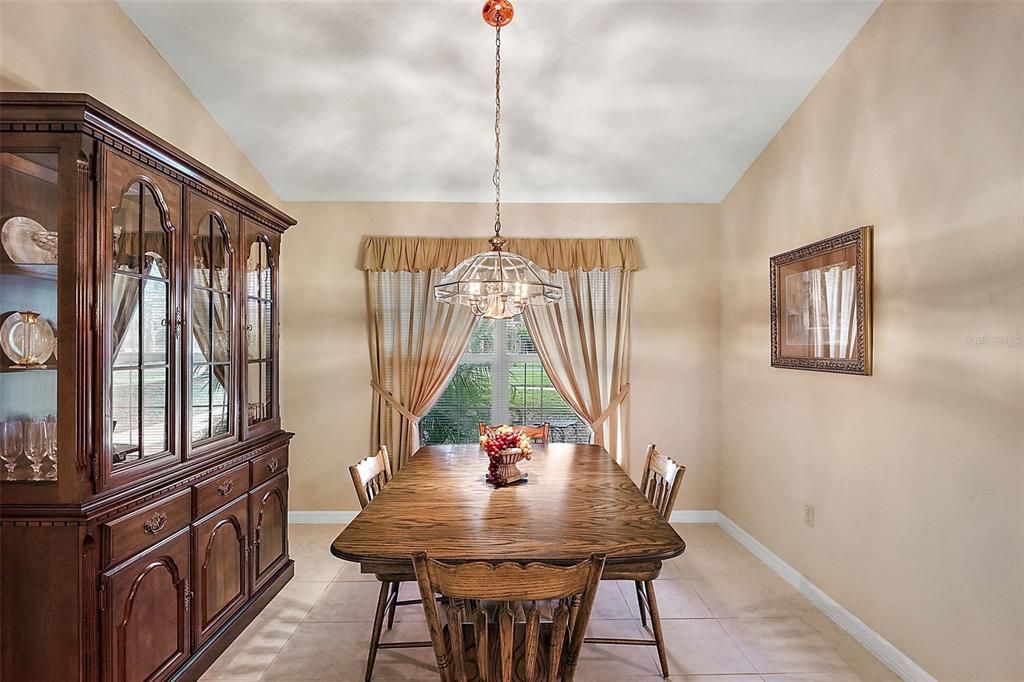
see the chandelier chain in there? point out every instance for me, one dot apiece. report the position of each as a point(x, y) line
point(496, 284)
point(496, 178)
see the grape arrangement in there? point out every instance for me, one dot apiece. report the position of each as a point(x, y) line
point(497, 441)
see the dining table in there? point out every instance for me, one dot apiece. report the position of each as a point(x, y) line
point(577, 501)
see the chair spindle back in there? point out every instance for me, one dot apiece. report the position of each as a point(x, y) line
point(550, 651)
point(661, 480)
point(370, 475)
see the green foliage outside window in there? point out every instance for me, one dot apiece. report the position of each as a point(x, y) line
point(469, 391)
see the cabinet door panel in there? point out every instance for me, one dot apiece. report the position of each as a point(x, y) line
point(268, 510)
point(259, 311)
point(30, 204)
point(211, 336)
point(221, 556)
point(138, 252)
point(145, 617)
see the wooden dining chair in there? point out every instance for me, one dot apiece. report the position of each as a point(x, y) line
point(370, 476)
point(662, 477)
point(538, 434)
point(493, 610)
point(661, 480)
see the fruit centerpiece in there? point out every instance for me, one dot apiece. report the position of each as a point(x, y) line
point(505, 447)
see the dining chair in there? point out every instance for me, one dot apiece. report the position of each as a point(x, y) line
point(538, 434)
point(662, 477)
point(370, 476)
point(495, 610)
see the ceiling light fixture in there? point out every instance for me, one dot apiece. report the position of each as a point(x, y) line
point(497, 284)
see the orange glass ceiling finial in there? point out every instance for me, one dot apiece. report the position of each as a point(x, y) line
point(498, 13)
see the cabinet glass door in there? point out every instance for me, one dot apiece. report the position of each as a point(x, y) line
point(212, 347)
point(143, 328)
point(29, 203)
point(259, 331)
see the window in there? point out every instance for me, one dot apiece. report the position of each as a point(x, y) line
point(500, 380)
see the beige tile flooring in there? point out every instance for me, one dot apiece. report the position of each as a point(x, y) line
point(726, 617)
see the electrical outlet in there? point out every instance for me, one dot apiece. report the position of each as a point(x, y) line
point(809, 515)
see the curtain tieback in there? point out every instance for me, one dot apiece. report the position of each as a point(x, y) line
point(383, 393)
point(612, 406)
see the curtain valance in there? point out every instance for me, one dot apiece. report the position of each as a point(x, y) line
point(418, 254)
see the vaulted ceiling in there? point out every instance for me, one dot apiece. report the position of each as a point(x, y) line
point(602, 100)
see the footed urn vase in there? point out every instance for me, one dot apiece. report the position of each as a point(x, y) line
point(507, 472)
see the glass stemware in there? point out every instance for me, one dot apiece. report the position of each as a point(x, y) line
point(50, 425)
point(35, 446)
point(11, 445)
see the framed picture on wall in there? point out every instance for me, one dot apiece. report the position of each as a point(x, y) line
point(821, 305)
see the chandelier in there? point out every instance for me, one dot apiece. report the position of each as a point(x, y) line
point(497, 284)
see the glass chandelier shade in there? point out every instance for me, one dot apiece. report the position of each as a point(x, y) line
point(496, 284)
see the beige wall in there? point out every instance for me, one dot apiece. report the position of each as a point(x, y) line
point(92, 46)
point(325, 390)
point(916, 473)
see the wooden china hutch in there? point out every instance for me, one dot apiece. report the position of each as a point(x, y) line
point(144, 500)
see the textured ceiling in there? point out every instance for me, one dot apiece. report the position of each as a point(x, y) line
point(625, 101)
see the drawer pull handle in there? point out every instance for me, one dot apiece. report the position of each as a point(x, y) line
point(273, 465)
point(225, 488)
point(155, 524)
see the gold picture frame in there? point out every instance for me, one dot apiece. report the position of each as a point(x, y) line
point(821, 305)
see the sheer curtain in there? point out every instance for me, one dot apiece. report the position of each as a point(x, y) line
point(415, 346)
point(124, 303)
point(124, 294)
point(583, 343)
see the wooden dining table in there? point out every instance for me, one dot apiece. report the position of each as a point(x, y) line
point(577, 501)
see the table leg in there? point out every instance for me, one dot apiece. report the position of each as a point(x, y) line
point(378, 623)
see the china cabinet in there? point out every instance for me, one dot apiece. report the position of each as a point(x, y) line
point(144, 491)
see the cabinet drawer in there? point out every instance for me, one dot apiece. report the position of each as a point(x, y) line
point(266, 466)
point(221, 489)
point(135, 532)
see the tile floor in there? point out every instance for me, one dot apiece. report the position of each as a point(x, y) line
point(726, 617)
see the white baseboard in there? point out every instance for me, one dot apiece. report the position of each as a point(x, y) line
point(896, 660)
point(694, 516)
point(321, 516)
